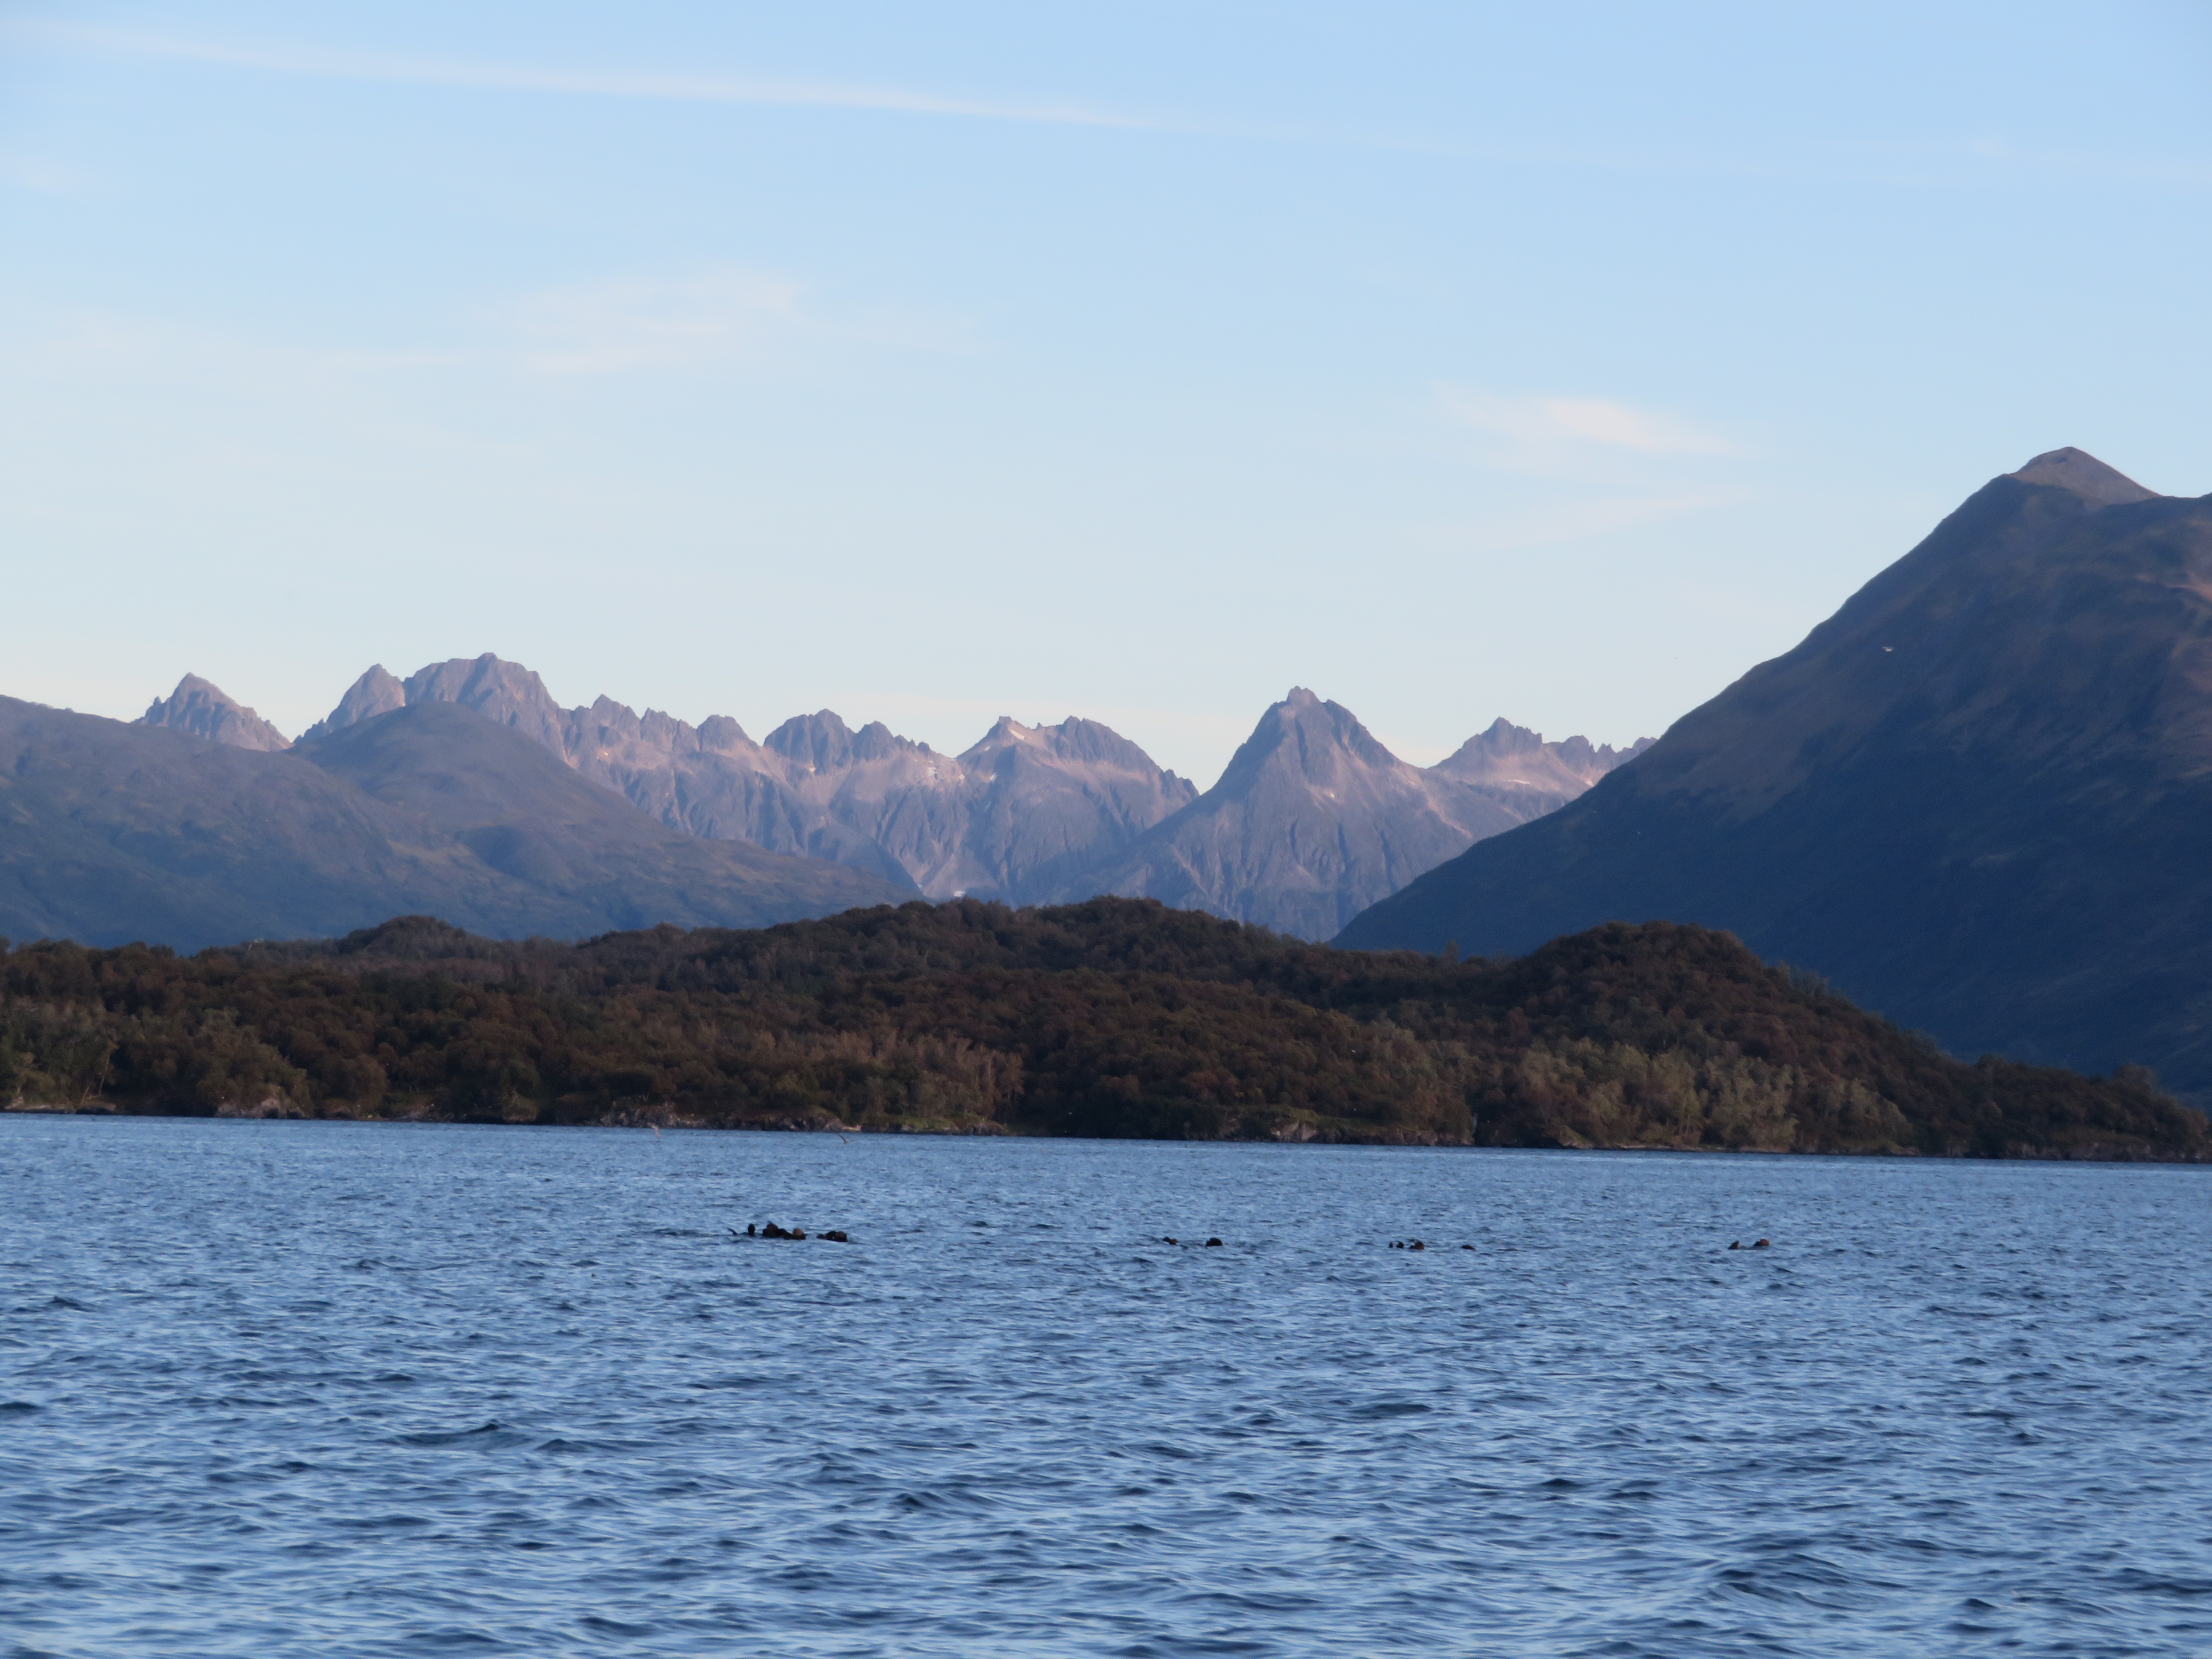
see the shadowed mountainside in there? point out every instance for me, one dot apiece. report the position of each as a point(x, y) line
point(1975, 797)
point(1113, 1017)
point(111, 832)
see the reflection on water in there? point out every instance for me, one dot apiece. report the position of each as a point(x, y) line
point(291, 1389)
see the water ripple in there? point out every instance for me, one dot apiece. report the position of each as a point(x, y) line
point(328, 1390)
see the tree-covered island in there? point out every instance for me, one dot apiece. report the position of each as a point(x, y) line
point(1112, 1018)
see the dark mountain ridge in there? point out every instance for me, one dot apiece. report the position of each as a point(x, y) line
point(1975, 797)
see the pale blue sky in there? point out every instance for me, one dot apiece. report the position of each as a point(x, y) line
point(932, 362)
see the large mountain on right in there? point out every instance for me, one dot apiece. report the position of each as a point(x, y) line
point(1978, 798)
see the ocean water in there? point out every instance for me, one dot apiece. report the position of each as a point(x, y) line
point(294, 1388)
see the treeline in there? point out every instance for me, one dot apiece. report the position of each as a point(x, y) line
point(1113, 1017)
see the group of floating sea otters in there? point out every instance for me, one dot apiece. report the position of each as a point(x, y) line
point(838, 1236)
point(835, 1236)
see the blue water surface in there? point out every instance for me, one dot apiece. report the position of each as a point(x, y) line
point(304, 1388)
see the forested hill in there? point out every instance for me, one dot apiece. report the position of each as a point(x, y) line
point(1114, 1017)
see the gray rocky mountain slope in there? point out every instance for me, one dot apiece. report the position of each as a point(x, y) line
point(1976, 798)
point(1314, 820)
point(113, 832)
point(1516, 767)
point(201, 707)
point(1007, 819)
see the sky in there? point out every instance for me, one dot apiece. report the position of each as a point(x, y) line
point(1140, 361)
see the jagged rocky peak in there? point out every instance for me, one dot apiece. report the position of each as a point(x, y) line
point(876, 741)
point(2086, 476)
point(818, 741)
point(504, 692)
point(664, 731)
point(1007, 732)
point(1314, 818)
point(1312, 821)
point(374, 693)
point(1074, 741)
point(608, 724)
point(204, 709)
point(723, 735)
point(822, 742)
point(1318, 737)
point(595, 732)
point(1509, 757)
point(1088, 740)
point(1501, 737)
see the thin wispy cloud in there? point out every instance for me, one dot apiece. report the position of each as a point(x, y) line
point(1936, 163)
point(717, 317)
point(594, 83)
point(1553, 423)
point(651, 323)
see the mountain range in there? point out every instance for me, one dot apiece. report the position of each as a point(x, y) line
point(1313, 820)
point(1005, 818)
point(1976, 799)
point(111, 832)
